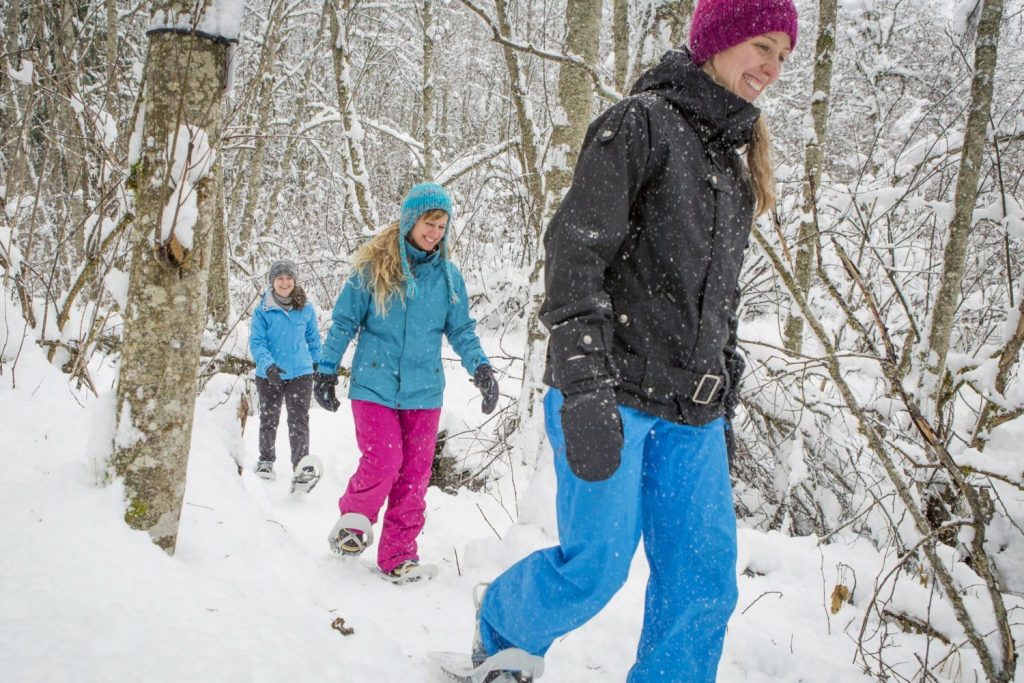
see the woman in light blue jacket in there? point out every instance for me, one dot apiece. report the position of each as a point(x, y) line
point(285, 344)
point(402, 296)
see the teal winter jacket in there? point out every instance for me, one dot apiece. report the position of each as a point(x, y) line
point(288, 339)
point(397, 362)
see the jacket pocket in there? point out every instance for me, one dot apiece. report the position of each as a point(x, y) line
point(658, 327)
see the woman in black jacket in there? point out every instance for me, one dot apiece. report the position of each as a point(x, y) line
point(643, 263)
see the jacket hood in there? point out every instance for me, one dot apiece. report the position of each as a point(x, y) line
point(269, 301)
point(716, 113)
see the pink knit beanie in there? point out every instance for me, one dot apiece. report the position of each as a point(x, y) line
point(719, 24)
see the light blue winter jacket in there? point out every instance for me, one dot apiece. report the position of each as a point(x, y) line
point(288, 339)
point(398, 355)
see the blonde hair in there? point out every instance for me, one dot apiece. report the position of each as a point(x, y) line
point(379, 263)
point(762, 171)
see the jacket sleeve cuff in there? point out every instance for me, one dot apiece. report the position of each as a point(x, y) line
point(474, 361)
point(578, 353)
point(593, 309)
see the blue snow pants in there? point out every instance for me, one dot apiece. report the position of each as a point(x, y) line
point(673, 488)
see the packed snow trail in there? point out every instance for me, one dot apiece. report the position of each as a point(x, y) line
point(253, 592)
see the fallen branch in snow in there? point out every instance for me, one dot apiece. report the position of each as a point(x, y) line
point(754, 602)
point(488, 521)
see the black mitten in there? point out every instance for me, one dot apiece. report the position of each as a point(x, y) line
point(593, 434)
point(487, 383)
point(323, 391)
point(274, 376)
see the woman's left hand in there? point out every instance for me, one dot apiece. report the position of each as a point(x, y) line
point(487, 383)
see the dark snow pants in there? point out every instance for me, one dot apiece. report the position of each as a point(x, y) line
point(673, 490)
point(295, 394)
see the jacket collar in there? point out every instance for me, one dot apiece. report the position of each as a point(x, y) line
point(417, 256)
point(269, 302)
point(716, 114)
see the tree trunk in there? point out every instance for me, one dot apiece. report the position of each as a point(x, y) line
point(620, 42)
point(10, 58)
point(283, 172)
point(573, 114)
point(218, 296)
point(427, 92)
point(527, 129)
point(814, 159)
point(357, 180)
point(264, 113)
point(662, 26)
point(968, 176)
point(72, 181)
point(168, 283)
point(111, 47)
point(575, 96)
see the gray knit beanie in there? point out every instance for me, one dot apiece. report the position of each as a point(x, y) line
point(283, 267)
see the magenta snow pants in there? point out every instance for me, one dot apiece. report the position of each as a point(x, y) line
point(397, 449)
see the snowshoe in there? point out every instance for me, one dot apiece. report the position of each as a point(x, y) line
point(409, 571)
point(307, 474)
point(265, 469)
point(507, 666)
point(351, 534)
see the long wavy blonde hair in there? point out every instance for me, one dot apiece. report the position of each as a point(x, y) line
point(379, 263)
point(762, 170)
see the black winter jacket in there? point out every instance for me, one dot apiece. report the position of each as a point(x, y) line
point(644, 253)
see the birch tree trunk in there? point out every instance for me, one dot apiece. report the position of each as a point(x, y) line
point(814, 159)
point(427, 92)
point(218, 297)
point(264, 113)
point(73, 177)
point(168, 283)
point(572, 115)
point(111, 51)
point(661, 26)
point(968, 176)
point(620, 42)
point(527, 129)
point(10, 59)
point(283, 166)
point(575, 96)
point(357, 179)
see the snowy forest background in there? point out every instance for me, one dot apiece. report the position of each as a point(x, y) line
point(155, 157)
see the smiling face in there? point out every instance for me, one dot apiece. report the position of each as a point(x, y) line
point(428, 231)
point(747, 69)
point(283, 285)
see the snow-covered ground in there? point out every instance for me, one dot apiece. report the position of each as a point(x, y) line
point(253, 590)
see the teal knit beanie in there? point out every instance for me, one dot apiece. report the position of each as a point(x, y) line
point(421, 199)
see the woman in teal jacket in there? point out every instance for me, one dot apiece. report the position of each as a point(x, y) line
point(284, 341)
point(402, 296)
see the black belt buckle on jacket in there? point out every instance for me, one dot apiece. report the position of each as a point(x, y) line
point(701, 391)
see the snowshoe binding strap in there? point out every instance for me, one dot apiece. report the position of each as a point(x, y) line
point(351, 534)
point(511, 664)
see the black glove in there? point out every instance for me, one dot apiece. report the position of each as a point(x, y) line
point(593, 433)
point(323, 391)
point(487, 383)
point(274, 376)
